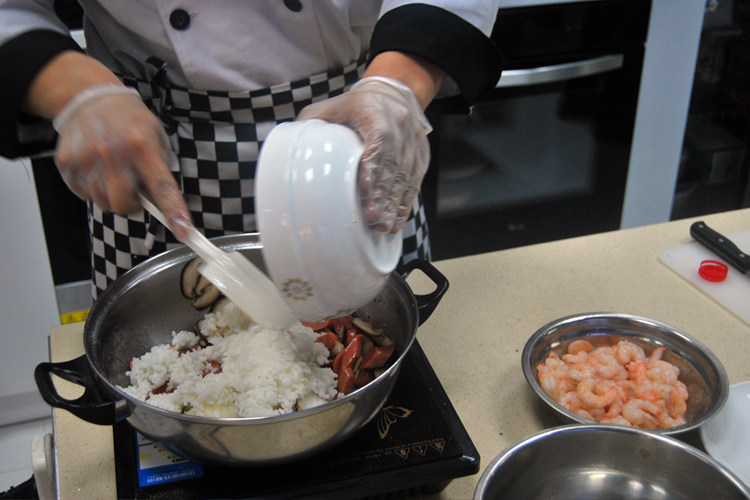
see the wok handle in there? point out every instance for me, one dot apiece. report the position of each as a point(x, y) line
point(93, 406)
point(426, 303)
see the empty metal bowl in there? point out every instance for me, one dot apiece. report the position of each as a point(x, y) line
point(605, 461)
point(700, 370)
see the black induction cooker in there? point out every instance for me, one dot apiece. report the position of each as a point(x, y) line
point(415, 445)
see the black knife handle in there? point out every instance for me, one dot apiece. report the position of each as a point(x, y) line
point(720, 245)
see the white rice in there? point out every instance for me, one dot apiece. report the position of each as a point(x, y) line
point(264, 372)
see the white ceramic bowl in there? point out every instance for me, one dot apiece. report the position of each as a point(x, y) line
point(317, 246)
point(725, 437)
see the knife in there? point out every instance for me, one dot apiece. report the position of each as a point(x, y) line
point(721, 246)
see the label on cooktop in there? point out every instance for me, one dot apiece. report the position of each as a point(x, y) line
point(157, 465)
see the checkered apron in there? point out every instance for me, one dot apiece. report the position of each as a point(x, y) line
point(217, 136)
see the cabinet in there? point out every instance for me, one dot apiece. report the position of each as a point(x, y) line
point(29, 307)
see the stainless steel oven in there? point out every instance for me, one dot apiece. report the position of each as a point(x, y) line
point(545, 155)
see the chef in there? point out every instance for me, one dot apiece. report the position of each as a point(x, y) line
point(175, 98)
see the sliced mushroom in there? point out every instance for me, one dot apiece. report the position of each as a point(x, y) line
point(202, 285)
point(337, 348)
point(219, 305)
point(340, 330)
point(196, 286)
point(382, 341)
point(202, 339)
point(189, 278)
point(367, 344)
point(203, 342)
point(206, 296)
point(367, 327)
point(356, 365)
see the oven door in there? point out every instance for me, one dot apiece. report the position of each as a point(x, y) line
point(543, 157)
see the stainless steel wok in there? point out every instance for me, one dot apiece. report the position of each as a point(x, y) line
point(144, 306)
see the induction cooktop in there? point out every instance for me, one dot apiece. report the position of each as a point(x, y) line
point(415, 445)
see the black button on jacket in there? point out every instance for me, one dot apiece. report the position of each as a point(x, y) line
point(179, 19)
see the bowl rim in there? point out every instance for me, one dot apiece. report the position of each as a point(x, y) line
point(529, 370)
point(494, 465)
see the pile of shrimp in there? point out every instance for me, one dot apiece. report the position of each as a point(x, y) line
point(616, 384)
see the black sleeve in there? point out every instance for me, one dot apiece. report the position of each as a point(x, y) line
point(21, 59)
point(446, 40)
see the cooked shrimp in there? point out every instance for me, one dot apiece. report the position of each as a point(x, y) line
point(665, 421)
point(616, 384)
point(619, 419)
point(597, 414)
point(628, 351)
point(565, 386)
point(581, 371)
point(662, 371)
point(642, 413)
point(682, 389)
point(571, 401)
point(554, 364)
point(607, 365)
point(615, 409)
point(661, 391)
point(589, 397)
point(622, 392)
point(676, 403)
point(573, 359)
point(585, 414)
point(656, 354)
point(552, 373)
point(549, 383)
point(580, 345)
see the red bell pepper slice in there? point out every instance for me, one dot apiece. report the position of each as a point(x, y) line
point(352, 351)
point(211, 367)
point(346, 381)
point(364, 377)
point(328, 339)
point(317, 326)
point(162, 389)
point(376, 357)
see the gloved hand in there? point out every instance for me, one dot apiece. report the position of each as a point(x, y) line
point(385, 113)
point(111, 145)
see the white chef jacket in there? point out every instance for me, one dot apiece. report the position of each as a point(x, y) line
point(230, 44)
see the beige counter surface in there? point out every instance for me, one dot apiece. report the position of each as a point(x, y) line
point(474, 338)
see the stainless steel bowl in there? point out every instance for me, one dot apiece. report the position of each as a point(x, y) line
point(700, 370)
point(605, 461)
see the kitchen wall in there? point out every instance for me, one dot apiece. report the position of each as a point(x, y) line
point(27, 294)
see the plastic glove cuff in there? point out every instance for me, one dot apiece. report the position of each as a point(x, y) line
point(403, 91)
point(87, 96)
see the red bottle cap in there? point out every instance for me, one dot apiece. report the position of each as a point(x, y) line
point(713, 270)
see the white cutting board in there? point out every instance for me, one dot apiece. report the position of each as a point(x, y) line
point(732, 293)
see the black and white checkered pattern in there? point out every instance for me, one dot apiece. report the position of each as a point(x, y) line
point(217, 136)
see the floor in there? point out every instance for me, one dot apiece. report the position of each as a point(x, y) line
point(15, 443)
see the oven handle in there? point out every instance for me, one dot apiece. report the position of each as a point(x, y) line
point(560, 72)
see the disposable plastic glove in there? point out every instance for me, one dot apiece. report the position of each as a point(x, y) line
point(388, 117)
point(111, 145)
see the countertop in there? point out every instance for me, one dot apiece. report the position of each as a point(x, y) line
point(474, 339)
